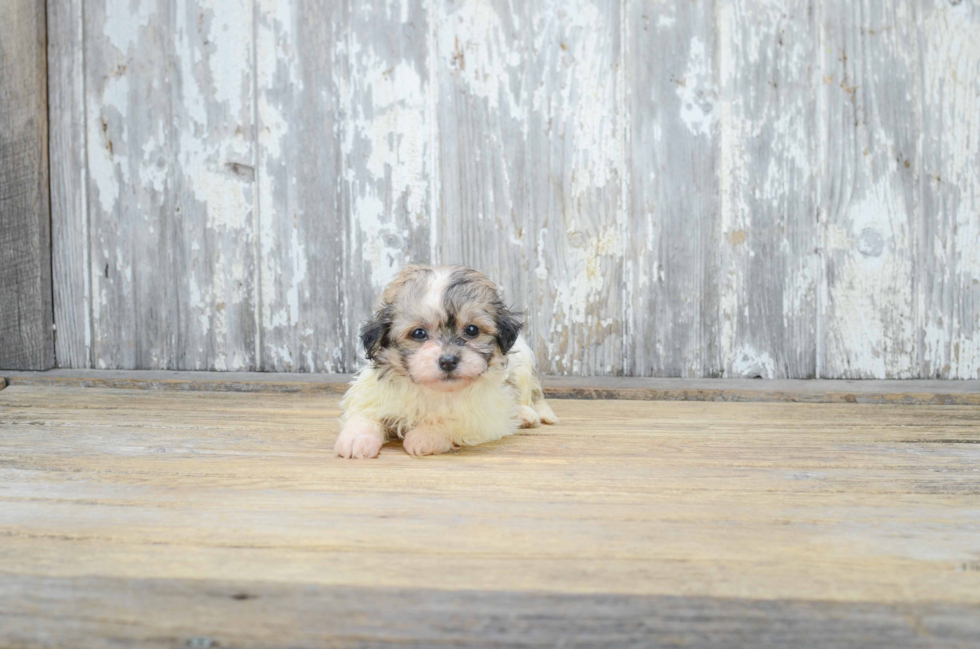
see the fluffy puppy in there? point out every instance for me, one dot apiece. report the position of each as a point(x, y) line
point(448, 368)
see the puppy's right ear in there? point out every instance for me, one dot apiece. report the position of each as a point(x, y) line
point(374, 333)
point(509, 326)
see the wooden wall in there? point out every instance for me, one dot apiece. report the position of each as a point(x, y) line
point(775, 188)
point(26, 332)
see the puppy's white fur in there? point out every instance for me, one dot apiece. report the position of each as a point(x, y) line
point(411, 400)
point(483, 411)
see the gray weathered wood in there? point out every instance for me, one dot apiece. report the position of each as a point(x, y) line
point(213, 249)
point(672, 254)
point(388, 146)
point(171, 161)
point(769, 270)
point(133, 211)
point(26, 335)
point(576, 165)
point(718, 188)
point(908, 392)
point(948, 260)
point(480, 66)
point(71, 270)
point(94, 612)
point(870, 160)
point(302, 76)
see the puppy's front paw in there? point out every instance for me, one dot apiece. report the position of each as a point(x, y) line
point(527, 417)
point(426, 440)
point(545, 412)
point(359, 438)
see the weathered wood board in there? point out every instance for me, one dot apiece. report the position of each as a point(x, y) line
point(907, 392)
point(871, 193)
point(948, 263)
point(301, 215)
point(767, 169)
point(69, 183)
point(159, 518)
point(712, 189)
point(673, 253)
point(26, 334)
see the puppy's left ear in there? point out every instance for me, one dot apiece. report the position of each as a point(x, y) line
point(374, 333)
point(509, 326)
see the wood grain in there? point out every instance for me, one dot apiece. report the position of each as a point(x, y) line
point(481, 68)
point(103, 612)
point(212, 110)
point(71, 269)
point(301, 242)
point(133, 172)
point(672, 256)
point(908, 392)
point(708, 189)
point(170, 146)
point(389, 153)
point(948, 259)
point(870, 199)
point(26, 335)
point(577, 164)
point(789, 518)
point(770, 267)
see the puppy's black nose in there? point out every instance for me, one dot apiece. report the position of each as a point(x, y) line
point(448, 362)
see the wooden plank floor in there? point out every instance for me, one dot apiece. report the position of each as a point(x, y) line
point(205, 519)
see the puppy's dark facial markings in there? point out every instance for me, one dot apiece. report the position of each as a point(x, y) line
point(467, 286)
point(508, 327)
point(461, 313)
point(405, 355)
point(375, 332)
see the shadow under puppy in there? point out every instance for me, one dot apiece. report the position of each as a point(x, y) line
point(448, 368)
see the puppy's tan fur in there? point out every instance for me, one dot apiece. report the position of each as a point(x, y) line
point(486, 390)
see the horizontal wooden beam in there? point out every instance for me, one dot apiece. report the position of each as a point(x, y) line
point(931, 392)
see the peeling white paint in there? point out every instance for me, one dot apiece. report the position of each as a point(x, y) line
point(549, 80)
point(474, 43)
point(697, 90)
point(123, 25)
point(580, 96)
point(873, 294)
point(749, 363)
point(391, 136)
point(107, 159)
point(949, 308)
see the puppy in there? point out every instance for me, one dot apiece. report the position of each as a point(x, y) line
point(448, 368)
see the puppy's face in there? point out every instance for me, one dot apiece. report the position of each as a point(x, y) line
point(441, 327)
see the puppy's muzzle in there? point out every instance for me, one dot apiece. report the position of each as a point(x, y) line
point(448, 362)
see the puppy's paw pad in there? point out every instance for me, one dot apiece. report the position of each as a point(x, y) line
point(359, 442)
point(527, 417)
point(424, 441)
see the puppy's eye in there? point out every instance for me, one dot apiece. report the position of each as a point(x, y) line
point(471, 331)
point(419, 334)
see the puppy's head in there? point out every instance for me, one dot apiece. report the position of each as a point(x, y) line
point(442, 327)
